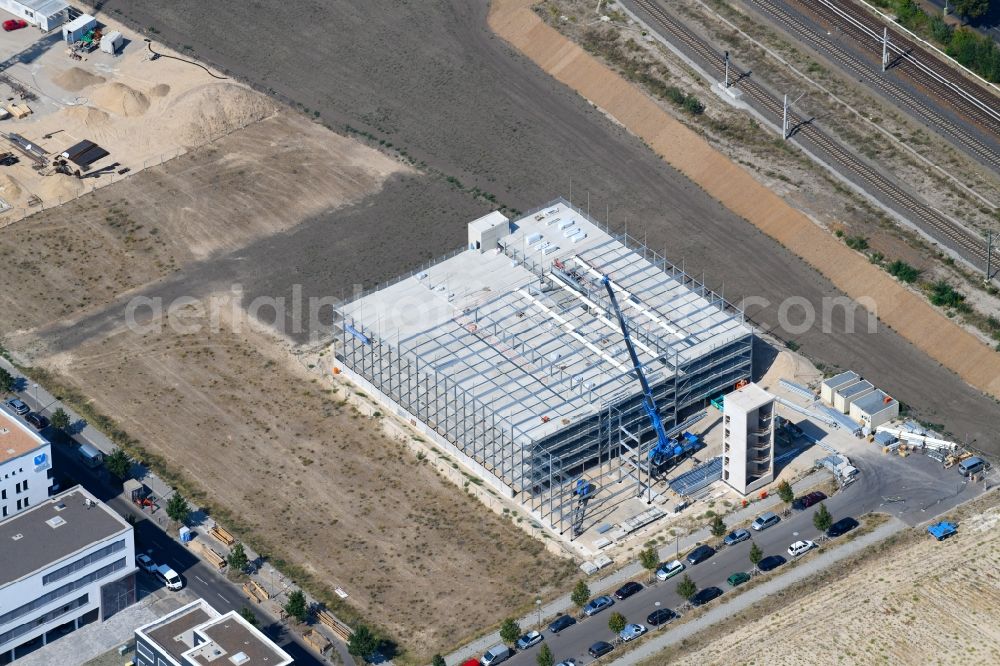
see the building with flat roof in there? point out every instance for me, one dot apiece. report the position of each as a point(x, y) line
point(46, 14)
point(748, 439)
point(508, 354)
point(66, 562)
point(25, 466)
point(198, 635)
point(874, 409)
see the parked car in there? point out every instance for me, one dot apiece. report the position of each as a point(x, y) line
point(841, 527)
point(146, 563)
point(702, 597)
point(37, 420)
point(807, 501)
point(660, 616)
point(495, 655)
point(631, 631)
point(765, 520)
point(700, 554)
point(801, 547)
point(736, 536)
point(471, 662)
point(669, 569)
point(14, 24)
point(599, 649)
point(169, 577)
point(627, 590)
point(595, 606)
point(18, 406)
point(561, 622)
point(567, 662)
point(529, 639)
point(771, 562)
point(738, 578)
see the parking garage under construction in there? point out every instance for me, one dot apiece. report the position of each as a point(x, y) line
point(508, 354)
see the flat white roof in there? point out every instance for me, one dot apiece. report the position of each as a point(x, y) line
point(527, 330)
point(488, 221)
point(44, 7)
point(747, 399)
point(79, 22)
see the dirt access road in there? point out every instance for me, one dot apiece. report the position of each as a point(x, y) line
point(434, 79)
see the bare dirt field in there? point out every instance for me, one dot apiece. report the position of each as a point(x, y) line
point(915, 602)
point(436, 81)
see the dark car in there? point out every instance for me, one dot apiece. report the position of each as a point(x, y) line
point(738, 578)
point(18, 406)
point(37, 420)
point(841, 527)
point(702, 597)
point(562, 622)
point(771, 562)
point(807, 501)
point(599, 649)
point(700, 554)
point(660, 616)
point(627, 590)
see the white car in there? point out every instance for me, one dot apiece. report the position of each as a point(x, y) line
point(632, 631)
point(800, 547)
point(529, 639)
point(669, 569)
point(145, 563)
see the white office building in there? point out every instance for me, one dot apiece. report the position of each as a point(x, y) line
point(25, 467)
point(748, 439)
point(46, 14)
point(66, 562)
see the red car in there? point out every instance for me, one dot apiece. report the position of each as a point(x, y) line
point(14, 24)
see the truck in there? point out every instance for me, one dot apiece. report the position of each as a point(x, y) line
point(90, 455)
point(942, 530)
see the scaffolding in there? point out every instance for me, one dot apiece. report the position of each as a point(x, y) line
point(520, 368)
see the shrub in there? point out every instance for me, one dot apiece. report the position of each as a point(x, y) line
point(902, 271)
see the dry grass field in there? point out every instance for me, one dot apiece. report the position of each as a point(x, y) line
point(917, 602)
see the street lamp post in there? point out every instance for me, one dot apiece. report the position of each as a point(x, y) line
point(538, 608)
point(35, 387)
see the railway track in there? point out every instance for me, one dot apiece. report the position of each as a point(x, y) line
point(937, 225)
point(978, 106)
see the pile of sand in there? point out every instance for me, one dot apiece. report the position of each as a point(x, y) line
point(75, 79)
point(87, 115)
point(159, 90)
point(214, 109)
point(59, 188)
point(10, 189)
point(120, 99)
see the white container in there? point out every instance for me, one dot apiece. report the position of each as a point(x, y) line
point(111, 42)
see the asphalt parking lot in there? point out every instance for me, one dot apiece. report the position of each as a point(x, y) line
point(914, 489)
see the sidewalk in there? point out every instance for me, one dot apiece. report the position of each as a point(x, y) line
point(723, 611)
point(612, 581)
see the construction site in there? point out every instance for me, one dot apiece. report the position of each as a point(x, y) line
point(515, 355)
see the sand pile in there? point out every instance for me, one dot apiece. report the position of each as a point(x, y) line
point(159, 90)
point(120, 99)
point(87, 115)
point(214, 109)
point(10, 189)
point(75, 79)
point(59, 188)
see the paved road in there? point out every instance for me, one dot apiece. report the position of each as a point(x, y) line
point(913, 489)
point(150, 538)
point(988, 25)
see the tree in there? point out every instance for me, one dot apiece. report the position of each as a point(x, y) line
point(718, 526)
point(249, 616)
point(510, 630)
point(438, 660)
point(544, 657)
point(119, 464)
point(60, 419)
point(617, 622)
point(581, 594)
point(785, 492)
point(649, 559)
point(363, 643)
point(756, 554)
point(237, 559)
point(297, 608)
point(971, 8)
point(177, 508)
point(687, 587)
point(7, 381)
point(822, 518)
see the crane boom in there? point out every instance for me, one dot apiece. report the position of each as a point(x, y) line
point(664, 445)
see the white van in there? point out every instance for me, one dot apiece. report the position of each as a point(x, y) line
point(169, 577)
point(90, 455)
point(495, 655)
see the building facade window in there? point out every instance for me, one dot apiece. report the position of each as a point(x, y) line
point(68, 588)
point(83, 562)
